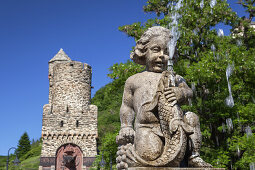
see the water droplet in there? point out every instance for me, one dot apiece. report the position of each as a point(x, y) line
point(229, 124)
point(239, 43)
point(213, 48)
point(238, 118)
point(223, 128)
point(193, 87)
point(213, 3)
point(202, 4)
point(252, 166)
point(220, 33)
point(195, 31)
point(248, 131)
point(229, 70)
point(229, 100)
point(238, 151)
point(190, 101)
point(218, 57)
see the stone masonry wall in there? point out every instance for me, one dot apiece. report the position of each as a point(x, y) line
point(84, 135)
point(71, 87)
point(69, 117)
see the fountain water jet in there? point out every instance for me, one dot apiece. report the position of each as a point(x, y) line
point(174, 32)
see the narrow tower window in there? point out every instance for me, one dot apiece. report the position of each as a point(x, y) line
point(67, 109)
point(77, 123)
point(61, 123)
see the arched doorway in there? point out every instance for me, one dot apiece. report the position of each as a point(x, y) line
point(69, 157)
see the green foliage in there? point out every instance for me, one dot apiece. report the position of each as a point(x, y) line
point(35, 151)
point(206, 70)
point(24, 145)
point(29, 160)
point(108, 150)
point(31, 163)
point(108, 99)
point(3, 161)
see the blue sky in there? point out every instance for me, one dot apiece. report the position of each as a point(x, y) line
point(33, 31)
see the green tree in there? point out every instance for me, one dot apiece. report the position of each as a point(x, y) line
point(205, 68)
point(24, 145)
point(203, 59)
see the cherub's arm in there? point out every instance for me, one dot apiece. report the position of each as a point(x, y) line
point(181, 93)
point(126, 134)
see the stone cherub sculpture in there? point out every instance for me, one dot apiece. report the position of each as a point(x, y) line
point(154, 131)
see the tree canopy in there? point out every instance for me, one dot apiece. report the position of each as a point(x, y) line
point(202, 58)
point(24, 145)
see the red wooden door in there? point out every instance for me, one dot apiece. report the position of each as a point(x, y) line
point(69, 157)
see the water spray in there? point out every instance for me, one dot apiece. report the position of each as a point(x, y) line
point(175, 36)
point(229, 100)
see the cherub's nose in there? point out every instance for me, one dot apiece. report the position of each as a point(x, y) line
point(161, 53)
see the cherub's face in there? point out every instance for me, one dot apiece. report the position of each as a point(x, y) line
point(157, 55)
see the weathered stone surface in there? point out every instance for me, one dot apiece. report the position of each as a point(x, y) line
point(151, 102)
point(69, 118)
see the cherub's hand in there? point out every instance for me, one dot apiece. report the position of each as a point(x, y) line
point(126, 135)
point(170, 93)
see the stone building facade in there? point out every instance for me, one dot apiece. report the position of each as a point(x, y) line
point(69, 127)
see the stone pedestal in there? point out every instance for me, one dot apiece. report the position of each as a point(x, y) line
point(172, 168)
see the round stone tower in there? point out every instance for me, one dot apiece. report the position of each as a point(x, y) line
point(69, 128)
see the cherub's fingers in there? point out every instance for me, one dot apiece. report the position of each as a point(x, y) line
point(170, 95)
point(130, 133)
point(168, 89)
point(168, 92)
point(171, 99)
point(174, 102)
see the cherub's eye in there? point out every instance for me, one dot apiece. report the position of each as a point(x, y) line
point(155, 49)
point(166, 51)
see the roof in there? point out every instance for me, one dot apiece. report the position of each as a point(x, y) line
point(60, 56)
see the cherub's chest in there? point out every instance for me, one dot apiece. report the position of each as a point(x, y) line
point(146, 89)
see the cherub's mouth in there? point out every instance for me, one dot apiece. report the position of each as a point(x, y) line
point(159, 64)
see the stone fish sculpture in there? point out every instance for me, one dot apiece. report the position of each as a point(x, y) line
point(154, 131)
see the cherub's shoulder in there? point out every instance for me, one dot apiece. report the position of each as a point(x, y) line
point(134, 79)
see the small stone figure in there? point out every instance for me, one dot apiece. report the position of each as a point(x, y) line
point(154, 130)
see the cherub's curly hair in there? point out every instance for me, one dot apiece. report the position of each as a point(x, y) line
point(138, 54)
